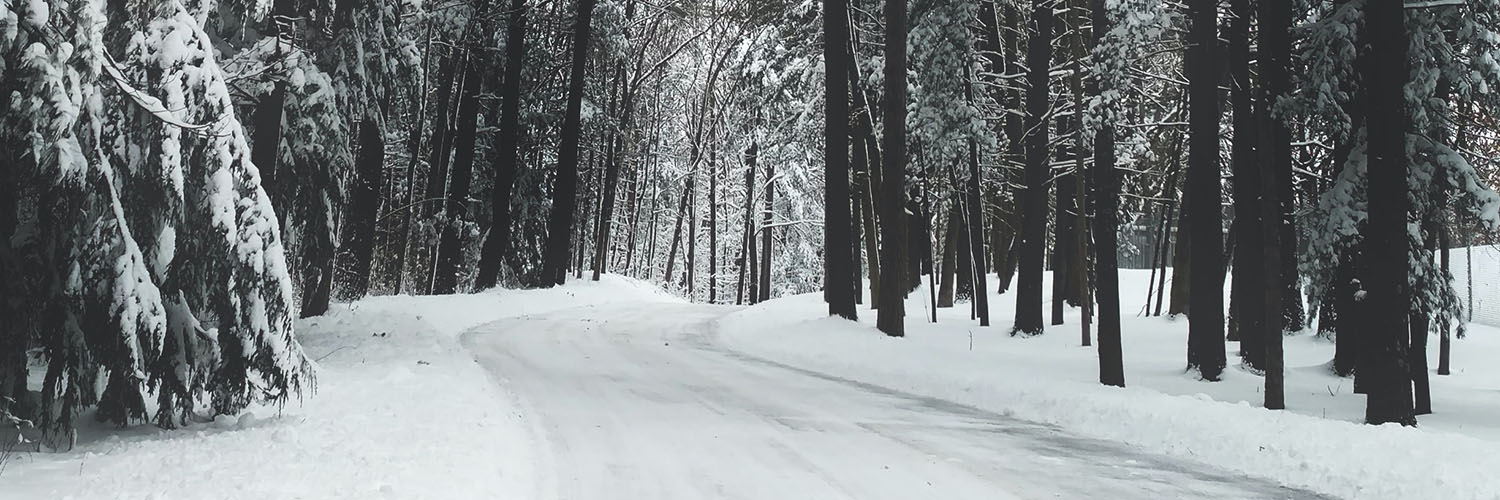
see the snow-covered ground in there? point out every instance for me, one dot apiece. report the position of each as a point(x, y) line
point(618, 390)
point(1318, 444)
point(402, 411)
point(636, 401)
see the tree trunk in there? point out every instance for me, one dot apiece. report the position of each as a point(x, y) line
point(1106, 209)
point(1249, 282)
point(565, 189)
point(893, 286)
point(837, 249)
point(1206, 320)
point(359, 220)
point(975, 227)
point(1182, 260)
point(866, 165)
point(713, 224)
point(949, 271)
point(1034, 200)
point(766, 232)
point(749, 238)
point(1388, 258)
point(1275, 141)
point(506, 161)
point(1064, 199)
point(450, 252)
point(267, 147)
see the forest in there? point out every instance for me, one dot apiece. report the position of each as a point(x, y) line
point(181, 181)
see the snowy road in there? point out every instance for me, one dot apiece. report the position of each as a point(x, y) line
point(638, 401)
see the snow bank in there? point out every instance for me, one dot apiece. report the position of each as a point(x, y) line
point(1318, 445)
point(401, 411)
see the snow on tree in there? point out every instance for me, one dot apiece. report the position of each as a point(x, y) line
point(168, 275)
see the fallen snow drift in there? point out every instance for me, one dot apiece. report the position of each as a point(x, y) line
point(1318, 445)
point(401, 411)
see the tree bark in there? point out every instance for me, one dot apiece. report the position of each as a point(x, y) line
point(565, 189)
point(1249, 281)
point(1034, 200)
point(1106, 209)
point(506, 161)
point(766, 233)
point(450, 242)
point(975, 228)
point(949, 271)
point(1206, 319)
point(893, 286)
point(1387, 252)
point(1276, 59)
point(837, 249)
point(356, 246)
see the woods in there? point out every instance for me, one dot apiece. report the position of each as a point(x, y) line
point(1319, 157)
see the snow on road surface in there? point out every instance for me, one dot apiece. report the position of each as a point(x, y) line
point(635, 401)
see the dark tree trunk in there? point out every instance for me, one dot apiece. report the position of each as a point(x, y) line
point(1387, 253)
point(1179, 303)
point(317, 283)
point(1065, 197)
point(1248, 284)
point(839, 260)
point(866, 166)
point(975, 229)
point(507, 152)
point(1445, 341)
point(713, 224)
point(1206, 319)
point(1346, 350)
point(450, 242)
point(620, 141)
point(1034, 200)
point(766, 233)
point(356, 246)
point(1276, 59)
point(1106, 208)
point(749, 238)
point(689, 277)
point(893, 258)
point(949, 270)
point(14, 337)
point(449, 80)
point(565, 189)
point(267, 148)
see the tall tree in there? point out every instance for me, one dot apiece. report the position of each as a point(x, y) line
point(1106, 182)
point(1276, 168)
point(1034, 200)
point(838, 255)
point(1206, 320)
point(507, 152)
point(894, 284)
point(357, 246)
point(565, 187)
point(445, 277)
point(1386, 252)
point(1248, 283)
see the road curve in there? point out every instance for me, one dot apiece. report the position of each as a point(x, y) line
point(637, 401)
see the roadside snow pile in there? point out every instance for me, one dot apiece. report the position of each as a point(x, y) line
point(401, 411)
point(1318, 445)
